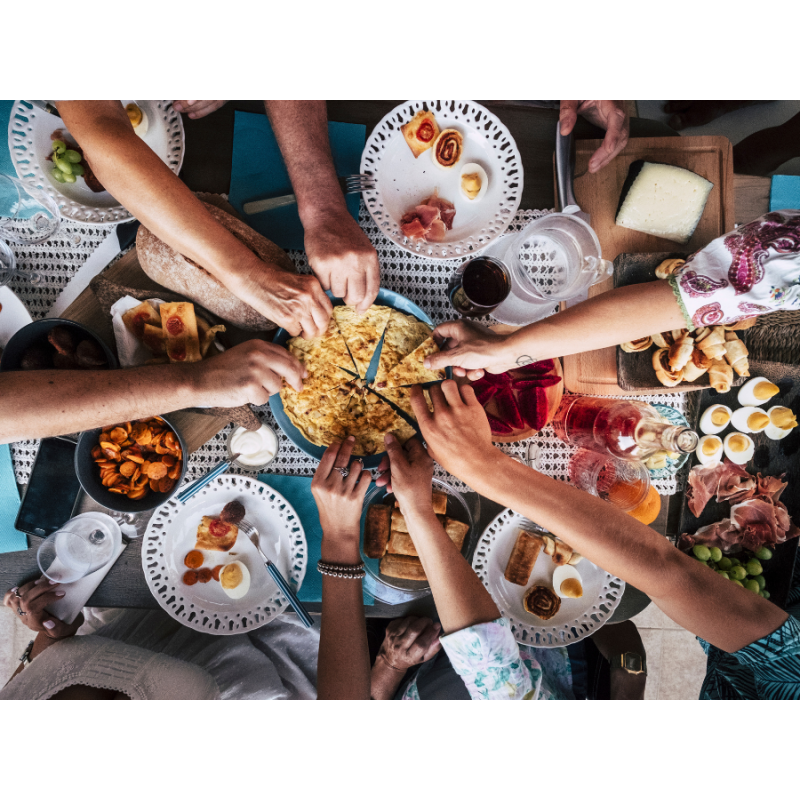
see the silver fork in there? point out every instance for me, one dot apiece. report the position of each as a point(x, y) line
point(251, 532)
point(351, 184)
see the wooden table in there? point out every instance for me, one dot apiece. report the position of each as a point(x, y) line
point(207, 167)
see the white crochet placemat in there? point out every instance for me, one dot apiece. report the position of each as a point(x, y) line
point(424, 281)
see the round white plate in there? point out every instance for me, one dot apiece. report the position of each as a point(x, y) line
point(29, 142)
point(13, 315)
point(576, 619)
point(403, 181)
point(171, 534)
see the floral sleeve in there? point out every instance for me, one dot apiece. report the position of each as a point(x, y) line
point(751, 271)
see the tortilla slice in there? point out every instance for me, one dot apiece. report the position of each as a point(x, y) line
point(401, 397)
point(411, 369)
point(320, 417)
point(404, 334)
point(330, 349)
point(370, 419)
point(362, 332)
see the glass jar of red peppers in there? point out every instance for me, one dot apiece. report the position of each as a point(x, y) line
point(628, 429)
point(517, 400)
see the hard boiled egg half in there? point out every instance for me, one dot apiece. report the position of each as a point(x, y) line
point(234, 578)
point(567, 582)
point(782, 421)
point(715, 418)
point(709, 450)
point(473, 182)
point(739, 447)
point(756, 392)
point(749, 419)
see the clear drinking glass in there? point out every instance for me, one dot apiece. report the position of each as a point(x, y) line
point(27, 215)
point(624, 484)
point(84, 545)
point(8, 270)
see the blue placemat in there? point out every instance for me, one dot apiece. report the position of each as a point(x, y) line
point(297, 490)
point(784, 192)
point(6, 165)
point(257, 171)
point(11, 540)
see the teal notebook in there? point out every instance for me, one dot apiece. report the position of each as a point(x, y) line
point(784, 192)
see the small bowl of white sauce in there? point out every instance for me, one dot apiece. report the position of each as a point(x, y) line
point(256, 449)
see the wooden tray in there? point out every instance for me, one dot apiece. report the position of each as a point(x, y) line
point(595, 372)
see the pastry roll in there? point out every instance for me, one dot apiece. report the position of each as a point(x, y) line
point(736, 354)
point(742, 324)
point(665, 339)
point(698, 365)
point(664, 373)
point(563, 553)
point(637, 345)
point(180, 325)
point(681, 351)
point(669, 267)
point(541, 602)
point(447, 148)
point(457, 531)
point(523, 557)
point(399, 521)
point(376, 530)
point(712, 342)
point(421, 132)
point(401, 544)
point(136, 318)
point(439, 500)
point(720, 375)
point(405, 567)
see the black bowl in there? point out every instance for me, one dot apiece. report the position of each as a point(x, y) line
point(37, 332)
point(89, 475)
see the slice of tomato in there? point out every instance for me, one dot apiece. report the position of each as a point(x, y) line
point(175, 326)
point(425, 132)
point(218, 528)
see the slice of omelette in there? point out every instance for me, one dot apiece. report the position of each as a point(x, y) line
point(328, 350)
point(401, 397)
point(362, 332)
point(369, 420)
point(404, 334)
point(321, 416)
point(411, 369)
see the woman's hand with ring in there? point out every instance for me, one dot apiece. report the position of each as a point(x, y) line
point(29, 602)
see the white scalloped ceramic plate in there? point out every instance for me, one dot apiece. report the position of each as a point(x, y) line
point(29, 143)
point(403, 181)
point(575, 620)
point(13, 315)
point(171, 534)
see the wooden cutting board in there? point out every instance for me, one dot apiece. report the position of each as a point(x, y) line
point(595, 372)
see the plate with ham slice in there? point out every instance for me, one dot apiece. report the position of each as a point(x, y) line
point(419, 205)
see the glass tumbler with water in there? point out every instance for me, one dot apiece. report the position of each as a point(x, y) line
point(27, 214)
point(84, 545)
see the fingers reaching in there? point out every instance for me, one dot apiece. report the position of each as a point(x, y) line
point(418, 403)
point(343, 456)
point(614, 142)
point(568, 116)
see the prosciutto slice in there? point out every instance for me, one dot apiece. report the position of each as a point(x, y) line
point(429, 220)
point(725, 481)
point(770, 488)
point(723, 534)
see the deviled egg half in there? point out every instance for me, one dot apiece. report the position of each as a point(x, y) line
point(709, 450)
point(473, 182)
point(756, 392)
point(567, 582)
point(715, 418)
point(749, 419)
point(782, 421)
point(739, 448)
point(234, 578)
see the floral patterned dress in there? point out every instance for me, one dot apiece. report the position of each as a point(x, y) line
point(752, 271)
point(494, 667)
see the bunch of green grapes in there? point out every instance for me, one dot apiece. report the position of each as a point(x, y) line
point(745, 572)
point(67, 163)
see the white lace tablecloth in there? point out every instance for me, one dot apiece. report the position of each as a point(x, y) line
point(423, 281)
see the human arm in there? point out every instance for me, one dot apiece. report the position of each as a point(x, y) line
point(461, 599)
point(69, 401)
point(339, 252)
point(343, 671)
point(140, 180)
point(684, 588)
point(196, 109)
point(621, 315)
point(606, 114)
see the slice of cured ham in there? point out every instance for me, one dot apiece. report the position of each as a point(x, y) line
point(429, 220)
point(725, 481)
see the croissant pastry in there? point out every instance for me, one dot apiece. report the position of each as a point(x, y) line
point(736, 354)
point(681, 351)
point(669, 267)
point(665, 339)
point(697, 365)
point(637, 345)
point(667, 376)
point(742, 324)
point(712, 343)
point(542, 602)
point(720, 375)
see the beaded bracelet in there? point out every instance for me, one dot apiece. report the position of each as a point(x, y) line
point(341, 570)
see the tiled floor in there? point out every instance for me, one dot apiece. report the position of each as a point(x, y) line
point(676, 664)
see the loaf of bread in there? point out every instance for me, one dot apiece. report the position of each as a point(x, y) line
point(376, 530)
point(170, 269)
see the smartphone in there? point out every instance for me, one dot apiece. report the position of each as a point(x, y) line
point(52, 489)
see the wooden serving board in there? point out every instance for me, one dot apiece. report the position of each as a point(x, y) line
point(595, 372)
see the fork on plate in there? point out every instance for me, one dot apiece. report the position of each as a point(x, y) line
point(351, 184)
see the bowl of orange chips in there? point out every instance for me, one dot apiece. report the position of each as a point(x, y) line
point(132, 466)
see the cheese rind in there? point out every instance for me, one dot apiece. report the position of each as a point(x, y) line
point(663, 200)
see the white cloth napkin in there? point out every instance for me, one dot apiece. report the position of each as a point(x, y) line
point(131, 352)
point(77, 594)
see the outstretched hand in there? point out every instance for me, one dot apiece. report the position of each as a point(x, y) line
point(410, 641)
point(606, 114)
point(407, 472)
point(471, 349)
point(30, 606)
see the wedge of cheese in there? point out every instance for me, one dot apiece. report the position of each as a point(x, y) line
point(663, 200)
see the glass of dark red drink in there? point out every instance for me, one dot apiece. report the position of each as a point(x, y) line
point(479, 286)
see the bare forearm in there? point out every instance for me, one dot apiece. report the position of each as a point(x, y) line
point(683, 588)
point(624, 314)
point(343, 671)
point(301, 128)
point(53, 402)
point(461, 599)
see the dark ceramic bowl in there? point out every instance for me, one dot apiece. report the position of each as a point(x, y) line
point(89, 475)
point(36, 333)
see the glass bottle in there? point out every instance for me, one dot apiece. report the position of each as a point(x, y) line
point(627, 429)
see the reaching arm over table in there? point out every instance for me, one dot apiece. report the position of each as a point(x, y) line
point(339, 252)
point(34, 404)
point(140, 180)
point(458, 437)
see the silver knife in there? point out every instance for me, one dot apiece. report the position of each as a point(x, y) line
point(257, 206)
